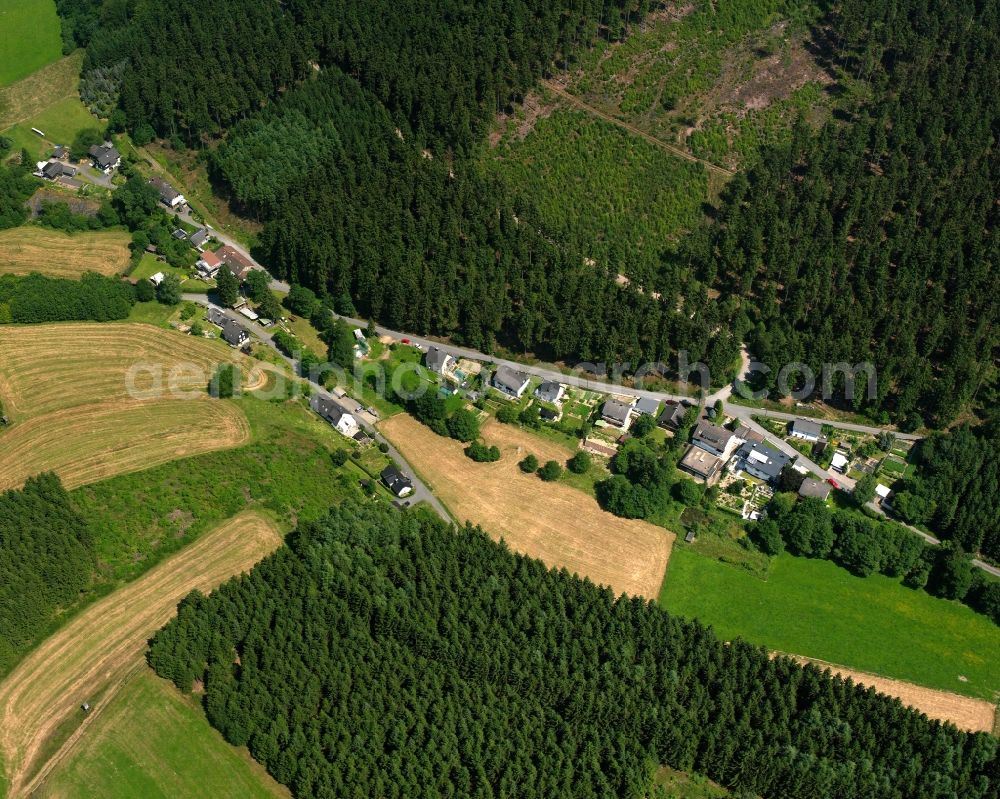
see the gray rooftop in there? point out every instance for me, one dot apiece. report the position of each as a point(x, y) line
point(806, 428)
point(508, 378)
point(812, 487)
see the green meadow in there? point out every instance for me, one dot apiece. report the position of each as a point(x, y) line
point(31, 37)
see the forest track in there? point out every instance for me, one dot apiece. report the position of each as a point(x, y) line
point(554, 87)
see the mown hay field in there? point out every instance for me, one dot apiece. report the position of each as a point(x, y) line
point(30, 96)
point(90, 401)
point(88, 658)
point(36, 249)
point(91, 442)
point(560, 525)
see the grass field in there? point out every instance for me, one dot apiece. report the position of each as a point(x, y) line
point(60, 122)
point(37, 249)
point(31, 37)
point(93, 653)
point(91, 442)
point(153, 742)
point(552, 522)
point(817, 609)
point(30, 96)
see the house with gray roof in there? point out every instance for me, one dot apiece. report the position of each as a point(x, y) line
point(397, 482)
point(617, 413)
point(550, 391)
point(198, 238)
point(712, 438)
point(647, 406)
point(438, 361)
point(57, 169)
point(510, 382)
point(105, 157)
point(338, 416)
point(234, 333)
point(761, 461)
point(169, 196)
point(811, 487)
point(672, 415)
point(806, 430)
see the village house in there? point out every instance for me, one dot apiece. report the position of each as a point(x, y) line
point(743, 434)
point(704, 465)
point(337, 416)
point(169, 196)
point(806, 430)
point(839, 462)
point(216, 316)
point(712, 438)
point(234, 333)
point(510, 382)
point(238, 263)
point(673, 415)
point(157, 279)
point(760, 461)
point(208, 265)
point(105, 157)
point(811, 487)
point(617, 413)
point(439, 361)
point(180, 234)
point(397, 482)
point(198, 238)
point(550, 391)
point(647, 406)
point(50, 170)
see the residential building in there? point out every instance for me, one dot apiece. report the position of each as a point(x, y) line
point(216, 316)
point(105, 157)
point(233, 333)
point(180, 234)
point(157, 279)
point(882, 492)
point(510, 381)
point(335, 414)
point(169, 196)
point(617, 413)
point(598, 448)
point(744, 433)
point(550, 391)
point(712, 438)
point(208, 265)
point(839, 462)
point(237, 262)
point(198, 238)
point(811, 487)
point(647, 406)
point(397, 482)
point(761, 461)
point(702, 464)
point(672, 415)
point(439, 361)
point(548, 414)
point(806, 430)
point(55, 169)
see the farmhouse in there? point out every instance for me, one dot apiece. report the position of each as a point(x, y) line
point(617, 413)
point(337, 416)
point(510, 382)
point(438, 361)
point(806, 430)
point(208, 265)
point(702, 464)
point(237, 262)
point(169, 196)
point(105, 157)
point(647, 406)
point(673, 415)
point(550, 391)
point(761, 461)
point(811, 487)
point(234, 333)
point(712, 438)
point(397, 482)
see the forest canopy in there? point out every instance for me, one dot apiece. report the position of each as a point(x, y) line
point(383, 653)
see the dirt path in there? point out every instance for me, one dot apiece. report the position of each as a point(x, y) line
point(966, 713)
point(98, 648)
point(554, 87)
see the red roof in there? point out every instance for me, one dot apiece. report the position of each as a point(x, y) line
point(210, 259)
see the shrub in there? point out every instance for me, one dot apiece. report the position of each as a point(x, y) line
point(550, 471)
point(481, 453)
point(528, 464)
point(580, 463)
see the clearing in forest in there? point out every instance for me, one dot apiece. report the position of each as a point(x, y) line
point(36, 249)
point(559, 525)
point(88, 659)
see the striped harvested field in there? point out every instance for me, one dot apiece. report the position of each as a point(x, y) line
point(36, 249)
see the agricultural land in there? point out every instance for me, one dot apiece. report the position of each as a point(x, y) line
point(557, 524)
point(51, 252)
point(30, 37)
point(92, 654)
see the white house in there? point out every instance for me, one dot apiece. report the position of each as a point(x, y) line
point(340, 419)
point(157, 279)
point(510, 381)
point(839, 462)
point(806, 430)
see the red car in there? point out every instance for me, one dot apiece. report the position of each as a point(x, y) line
point(405, 340)
point(833, 482)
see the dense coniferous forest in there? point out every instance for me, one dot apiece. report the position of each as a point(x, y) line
point(871, 239)
point(879, 240)
point(385, 654)
point(46, 559)
point(38, 298)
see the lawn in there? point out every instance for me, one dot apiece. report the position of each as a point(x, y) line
point(31, 37)
point(153, 742)
point(60, 122)
point(35, 93)
point(817, 609)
